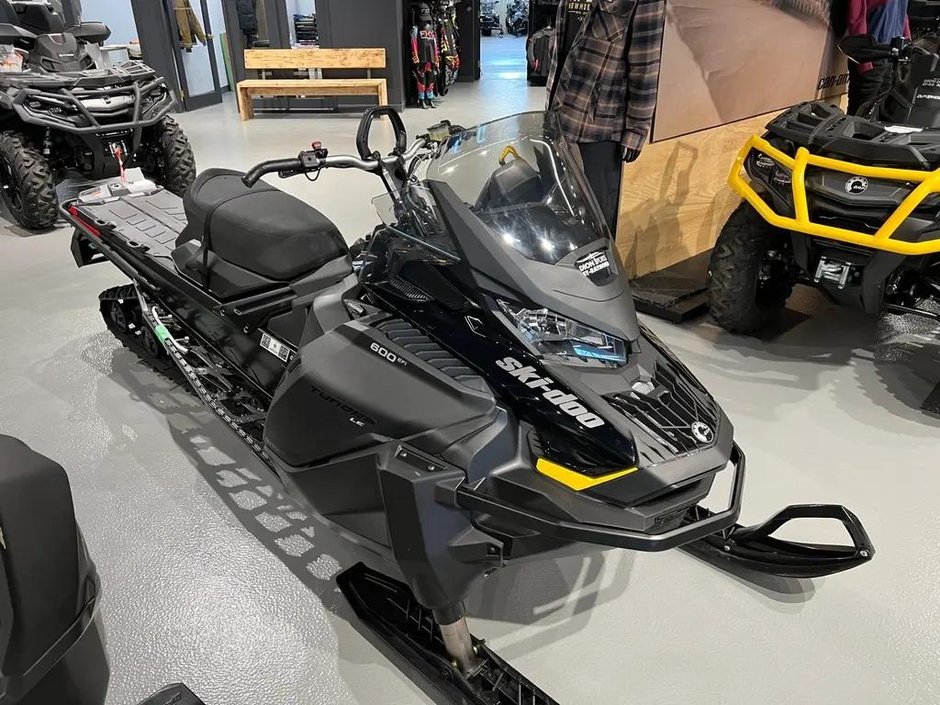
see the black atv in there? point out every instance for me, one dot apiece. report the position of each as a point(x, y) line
point(517, 18)
point(63, 116)
point(489, 18)
point(846, 203)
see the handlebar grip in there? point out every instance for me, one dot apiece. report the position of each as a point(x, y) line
point(365, 128)
point(256, 172)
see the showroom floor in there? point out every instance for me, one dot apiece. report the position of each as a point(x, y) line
point(212, 577)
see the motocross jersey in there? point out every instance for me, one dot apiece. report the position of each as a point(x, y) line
point(424, 45)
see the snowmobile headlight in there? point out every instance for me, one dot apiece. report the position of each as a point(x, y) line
point(565, 340)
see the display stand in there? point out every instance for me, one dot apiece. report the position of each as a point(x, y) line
point(677, 293)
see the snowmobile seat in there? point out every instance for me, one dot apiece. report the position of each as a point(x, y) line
point(261, 229)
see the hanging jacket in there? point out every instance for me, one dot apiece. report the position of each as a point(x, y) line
point(606, 90)
point(540, 49)
point(190, 27)
point(882, 20)
point(247, 17)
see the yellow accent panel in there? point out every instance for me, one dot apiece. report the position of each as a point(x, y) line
point(928, 184)
point(575, 480)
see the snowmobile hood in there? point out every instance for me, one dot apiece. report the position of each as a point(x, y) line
point(610, 409)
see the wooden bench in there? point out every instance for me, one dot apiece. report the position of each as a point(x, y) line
point(266, 60)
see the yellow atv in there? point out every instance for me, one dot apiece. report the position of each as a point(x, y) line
point(849, 204)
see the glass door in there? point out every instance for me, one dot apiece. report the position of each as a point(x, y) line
point(197, 56)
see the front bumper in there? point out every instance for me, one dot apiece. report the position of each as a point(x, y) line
point(928, 184)
point(34, 106)
point(714, 535)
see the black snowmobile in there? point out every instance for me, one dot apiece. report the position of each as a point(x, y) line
point(52, 645)
point(846, 203)
point(468, 387)
point(62, 115)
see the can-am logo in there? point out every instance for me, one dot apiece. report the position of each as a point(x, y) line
point(857, 184)
point(568, 403)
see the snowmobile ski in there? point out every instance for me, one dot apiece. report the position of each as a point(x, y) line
point(390, 610)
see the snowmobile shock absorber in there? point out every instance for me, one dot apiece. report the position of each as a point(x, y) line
point(457, 640)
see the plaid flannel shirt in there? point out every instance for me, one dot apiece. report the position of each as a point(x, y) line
point(606, 91)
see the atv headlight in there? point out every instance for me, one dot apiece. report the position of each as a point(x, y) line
point(769, 170)
point(565, 340)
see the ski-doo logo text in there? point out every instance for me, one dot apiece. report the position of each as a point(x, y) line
point(568, 403)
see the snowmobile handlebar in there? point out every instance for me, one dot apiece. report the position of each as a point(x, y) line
point(312, 161)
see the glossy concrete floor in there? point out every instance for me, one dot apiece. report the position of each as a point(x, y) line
point(214, 578)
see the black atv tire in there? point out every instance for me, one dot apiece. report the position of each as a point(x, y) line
point(27, 183)
point(746, 290)
point(169, 160)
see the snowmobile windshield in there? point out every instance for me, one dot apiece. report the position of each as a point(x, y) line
point(522, 180)
point(412, 213)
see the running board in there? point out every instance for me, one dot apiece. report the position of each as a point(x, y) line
point(390, 610)
point(753, 547)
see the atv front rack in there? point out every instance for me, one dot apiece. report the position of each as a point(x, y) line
point(928, 184)
point(712, 535)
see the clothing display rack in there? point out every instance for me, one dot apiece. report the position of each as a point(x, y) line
point(442, 51)
point(539, 48)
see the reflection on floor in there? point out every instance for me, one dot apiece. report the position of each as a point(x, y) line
point(504, 58)
point(211, 576)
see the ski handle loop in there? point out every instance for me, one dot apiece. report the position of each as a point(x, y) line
point(860, 541)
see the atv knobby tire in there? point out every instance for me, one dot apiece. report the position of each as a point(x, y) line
point(170, 161)
point(28, 183)
point(740, 300)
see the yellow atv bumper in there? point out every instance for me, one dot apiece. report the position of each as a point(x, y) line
point(927, 184)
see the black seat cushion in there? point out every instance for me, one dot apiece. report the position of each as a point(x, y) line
point(261, 229)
